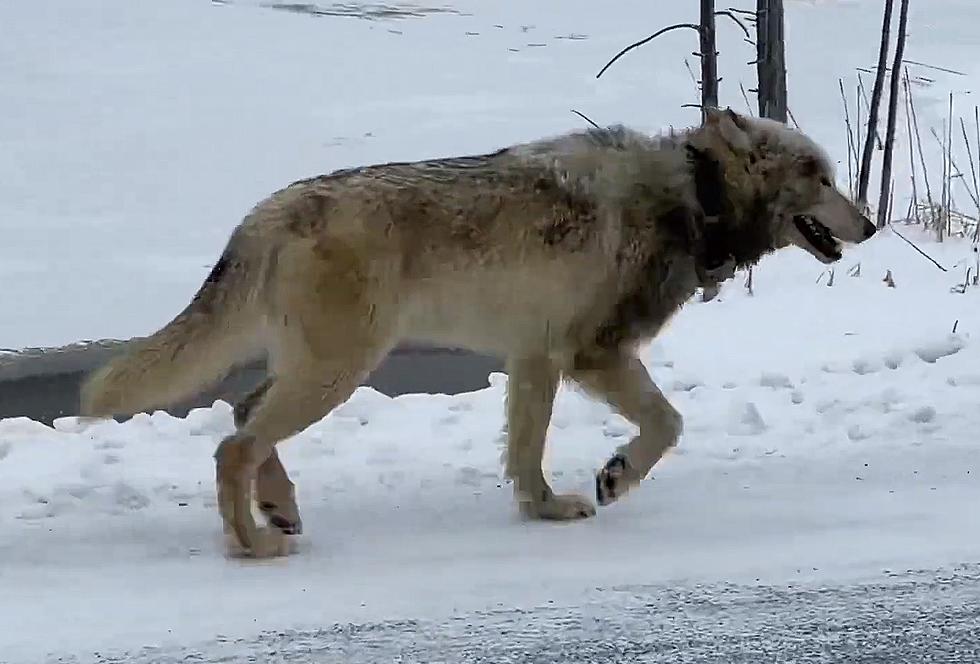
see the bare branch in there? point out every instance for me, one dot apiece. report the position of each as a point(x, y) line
point(585, 117)
point(732, 16)
point(640, 43)
point(922, 64)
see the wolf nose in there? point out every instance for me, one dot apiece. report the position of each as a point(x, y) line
point(869, 229)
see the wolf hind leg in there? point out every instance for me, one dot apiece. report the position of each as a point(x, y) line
point(274, 491)
point(334, 330)
point(624, 383)
point(531, 388)
point(304, 391)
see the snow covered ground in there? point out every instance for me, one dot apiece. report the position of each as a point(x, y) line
point(830, 430)
point(831, 435)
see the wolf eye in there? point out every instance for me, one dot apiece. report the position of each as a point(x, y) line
point(825, 181)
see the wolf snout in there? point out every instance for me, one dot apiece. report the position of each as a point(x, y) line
point(869, 229)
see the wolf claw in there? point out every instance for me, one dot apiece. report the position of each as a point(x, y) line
point(608, 487)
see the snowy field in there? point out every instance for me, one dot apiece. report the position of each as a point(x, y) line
point(831, 431)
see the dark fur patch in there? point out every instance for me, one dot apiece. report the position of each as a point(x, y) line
point(307, 214)
point(204, 299)
point(243, 409)
point(662, 286)
point(752, 238)
point(810, 168)
point(714, 230)
point(571, 216)
point(709, 181)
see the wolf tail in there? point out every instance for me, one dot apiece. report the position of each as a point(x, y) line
point(196, 349)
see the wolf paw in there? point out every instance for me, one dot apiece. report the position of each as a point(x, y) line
point(275, 517)
point(269, 543)
point(559, 508)
point(611, 483)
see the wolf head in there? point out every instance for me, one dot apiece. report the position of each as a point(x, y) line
point(776, 187)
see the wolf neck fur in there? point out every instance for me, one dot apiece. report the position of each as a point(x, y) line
point(684, 216)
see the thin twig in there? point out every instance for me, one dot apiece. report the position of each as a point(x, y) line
point(585, 117)
point(908, 126)
point(912, 244)
point(640, 43)
point(944, 192)
point(792, 117)
point(949, 149)
point(955, 171)
point(867, 103)
point(694, 78)
point(976, 119)
point(851, 152)
point(918, 142)
point(973, 166)
point(857, 104)
point(746, 98)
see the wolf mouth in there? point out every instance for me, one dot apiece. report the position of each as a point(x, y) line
point(818, 236)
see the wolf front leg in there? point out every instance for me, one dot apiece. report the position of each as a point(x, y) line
point(624, 383)
point(531, 388)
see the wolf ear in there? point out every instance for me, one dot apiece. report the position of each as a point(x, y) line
point(730, 126)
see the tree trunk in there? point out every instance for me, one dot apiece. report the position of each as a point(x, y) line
point(709, 57)
point(771, 59)
point(777, 58)
point(886, 166)
point(761, 51)
point(864, 172)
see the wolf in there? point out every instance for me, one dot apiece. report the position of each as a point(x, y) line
point(561, 255)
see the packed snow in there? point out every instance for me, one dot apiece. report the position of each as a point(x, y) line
point(831, 418)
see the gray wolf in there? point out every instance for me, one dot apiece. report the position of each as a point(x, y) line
point(560, 255)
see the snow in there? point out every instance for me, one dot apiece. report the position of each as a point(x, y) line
point(830, 429)
point(141, 133)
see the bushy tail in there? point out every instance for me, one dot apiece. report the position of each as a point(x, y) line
point(193, 351)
